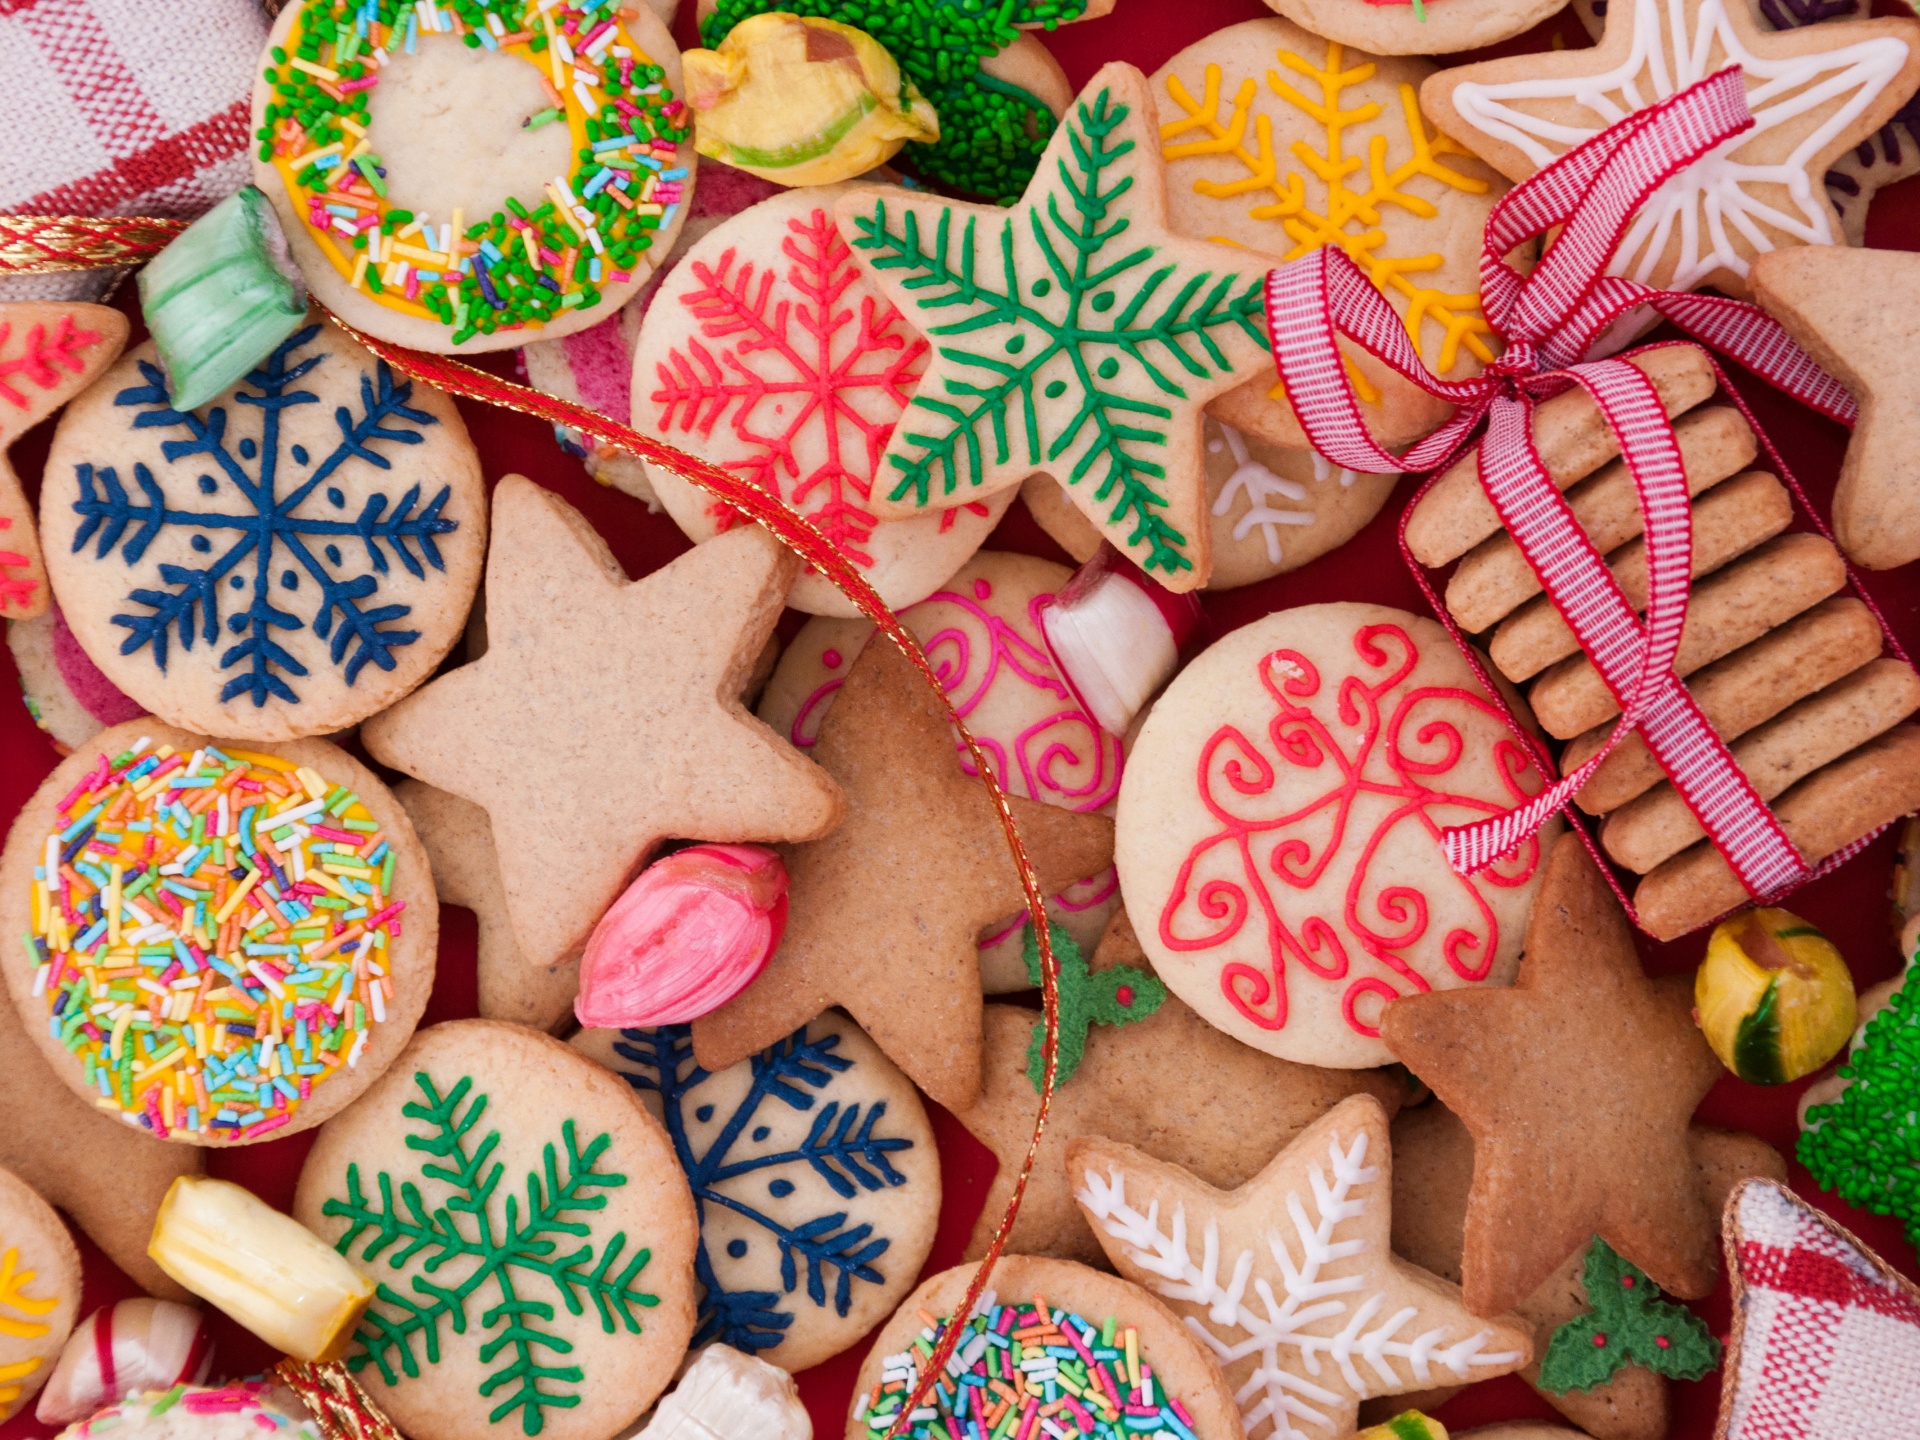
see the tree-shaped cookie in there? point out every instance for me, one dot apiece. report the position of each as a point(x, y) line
point(1074, 334)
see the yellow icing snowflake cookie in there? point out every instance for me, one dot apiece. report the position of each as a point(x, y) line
point(39, 1291)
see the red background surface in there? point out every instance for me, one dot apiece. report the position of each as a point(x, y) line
point(1851, 906)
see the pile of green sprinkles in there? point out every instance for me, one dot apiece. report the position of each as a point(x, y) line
point(521, 266)
point(992, 133)
point(1866, 1144)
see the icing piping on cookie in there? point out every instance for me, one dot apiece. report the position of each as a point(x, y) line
point(1368, 758)
point(210, 936)
point(1261, 485)
point(1348, 218)
point(19, 1320)
point(840, 1147)
point(1717, 201)
point(506, 1242)
point(1018, 1360)
point(265, 527)
point(517, 267)
point(39, 363)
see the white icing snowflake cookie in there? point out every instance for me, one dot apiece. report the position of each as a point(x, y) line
point(1279, 829)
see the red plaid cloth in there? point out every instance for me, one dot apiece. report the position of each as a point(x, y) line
point(1826, 1340)
point(122, 107)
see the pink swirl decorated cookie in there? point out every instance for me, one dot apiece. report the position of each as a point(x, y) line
point(980, 632)
point(1279, 829)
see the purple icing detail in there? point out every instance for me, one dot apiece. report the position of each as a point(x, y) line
point(96, 694)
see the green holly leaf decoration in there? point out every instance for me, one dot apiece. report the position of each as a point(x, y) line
point(1074, 334)
point(1630, 1323)
point(1115, 996)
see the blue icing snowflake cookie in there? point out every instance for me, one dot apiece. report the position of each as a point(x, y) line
point(815, 1174)
point(291, 558)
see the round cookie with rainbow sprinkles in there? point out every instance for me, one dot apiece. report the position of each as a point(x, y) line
point(468, 175)
point(239, 1410)
point(220, 945)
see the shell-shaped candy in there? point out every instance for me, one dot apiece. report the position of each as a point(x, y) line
point(122, 1350)
point(726, 1395)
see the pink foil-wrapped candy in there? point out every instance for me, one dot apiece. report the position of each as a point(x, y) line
point(689, 935)
point(121, 1350)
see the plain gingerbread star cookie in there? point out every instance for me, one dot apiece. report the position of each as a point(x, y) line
point(1579, 1086)
point(884, 914)
point(1074, 334)
point(1815, 93)
point(1290, 1278)
point(605, 716)
point(1851, 310)
point(48, 354)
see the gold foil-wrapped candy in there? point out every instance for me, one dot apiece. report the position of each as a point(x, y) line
point(802, 101)
point(1773, 997)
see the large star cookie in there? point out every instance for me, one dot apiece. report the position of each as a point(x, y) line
point(1815, 94)
point(1851, 310)
point(1169, 1082)
point(1074, 334)
point(884, 914)
point(605, 716)
point(48, 354)
point(1579, 1086)
point(1291, 1279)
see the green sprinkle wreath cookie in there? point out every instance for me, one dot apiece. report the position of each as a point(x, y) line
point(469, 175)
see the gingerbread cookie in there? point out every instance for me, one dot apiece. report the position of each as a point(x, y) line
point(1260, 126)
point(980, 629)
point(472, 220)
point(63, 689)
point(237, 944)
point(1341, 1317)
point(1815, 93)
point(772, 352)
point(39, 1292)
point(815, 1174)
point(284, 562)
point(528, 1229)
point(49, 353)
point(1038, 364)
point(1113, 1335)
point(610, 708)
point(1279, 829)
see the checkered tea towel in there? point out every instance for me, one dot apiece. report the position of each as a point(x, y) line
point(1826, 1336)
point(122, 107)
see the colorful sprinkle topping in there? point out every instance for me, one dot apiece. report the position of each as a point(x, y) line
point(1027, 1372)
point(210, 933)
point(244, 1398)
point(517, 267)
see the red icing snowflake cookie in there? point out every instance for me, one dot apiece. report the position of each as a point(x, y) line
point(768, 351)
point(1280, 821)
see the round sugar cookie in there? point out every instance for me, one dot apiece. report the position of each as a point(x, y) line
point(459, 162)
point(769, 352)
point(39, 1292)
point(1280, 141)
point(63, 689)
point(815, 1174)
point(285, 561)
point(1270, 509)
point(270, 915)
point(1278, 837)
point(239, 1410)
point(1075, 1296)
point(1399, 27)
point(981, 632)
point(528, 1228)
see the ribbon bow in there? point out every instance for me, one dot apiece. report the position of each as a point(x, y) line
point(1550, 321)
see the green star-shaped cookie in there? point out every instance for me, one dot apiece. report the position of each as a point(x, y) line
point(1630, 1324)
point(1116, 996)
point(1073, 334)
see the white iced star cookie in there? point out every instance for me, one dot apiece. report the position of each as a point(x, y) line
point(1290, 1279)
point(1815, 92)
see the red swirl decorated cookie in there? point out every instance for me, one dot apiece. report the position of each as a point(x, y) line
point(1280, 822)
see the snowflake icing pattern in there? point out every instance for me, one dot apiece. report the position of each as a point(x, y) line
point(506, 1248)
point(267, 524)
point(840, 1147)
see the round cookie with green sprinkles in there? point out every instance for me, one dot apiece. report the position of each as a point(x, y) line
point(214, 944)
point(471, 175)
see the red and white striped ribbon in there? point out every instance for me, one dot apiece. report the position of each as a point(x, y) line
point(1550, 320)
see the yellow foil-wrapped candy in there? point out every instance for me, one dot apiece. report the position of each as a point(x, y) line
point(265, 1269)
point(1773, 997)
point(802, 101)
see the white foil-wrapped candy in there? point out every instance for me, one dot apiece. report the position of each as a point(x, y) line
point(123, 1349)
point(727, 1395)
